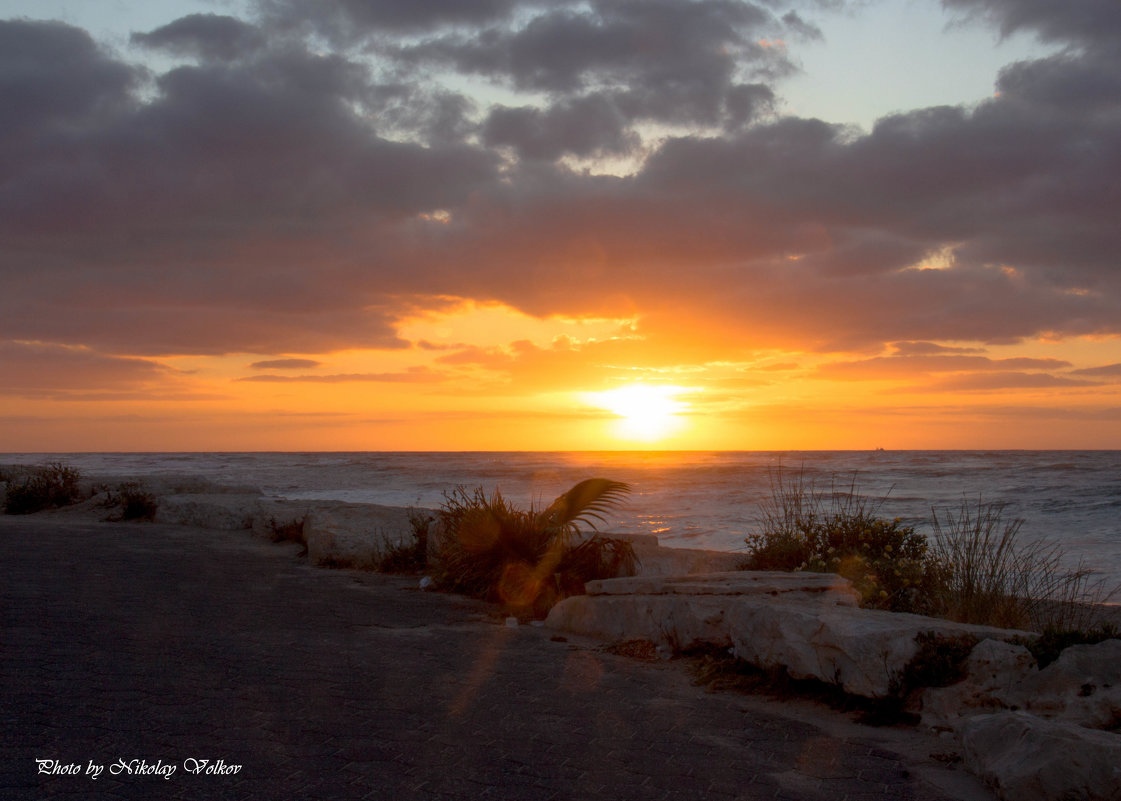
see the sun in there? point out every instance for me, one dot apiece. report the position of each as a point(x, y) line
point(647, 412)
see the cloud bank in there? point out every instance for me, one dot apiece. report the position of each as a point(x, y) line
point(298, 180)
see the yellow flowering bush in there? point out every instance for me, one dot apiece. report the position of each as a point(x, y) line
point(802, 528)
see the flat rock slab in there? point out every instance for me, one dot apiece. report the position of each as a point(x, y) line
point(1026, 757)
point(812, 630)
point(834, 588)
point(223, 511)
point(657, 560)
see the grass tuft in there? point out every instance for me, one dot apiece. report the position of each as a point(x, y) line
point(48, 487)
point(133, 501)
point(990, 575)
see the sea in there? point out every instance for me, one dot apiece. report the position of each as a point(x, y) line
point(693, 499)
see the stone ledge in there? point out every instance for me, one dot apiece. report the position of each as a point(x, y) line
point(810, 627)
point(1026, 757)
point(733, 583)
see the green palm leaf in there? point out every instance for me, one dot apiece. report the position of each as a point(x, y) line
point(584, 503)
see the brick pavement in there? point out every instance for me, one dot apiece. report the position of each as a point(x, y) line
point(141, 642)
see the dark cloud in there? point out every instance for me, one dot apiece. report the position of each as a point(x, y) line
point(797, 25)
point(587, 126)
point(34, 368)
point(905, 366)
point(52, 78)
point(207, 36)
point(286, 364)
point(1104, 371)
point(414, 375)
point(347, 21)
point(213, 216)
point(1088, 22)
point(989, 382)
point(270, 197)
point(618, 63)
point(929, 348)
point(659, 44)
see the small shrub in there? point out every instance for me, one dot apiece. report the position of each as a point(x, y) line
point(803, 528)
point(646, 650)
point(939, 661)
point(289, 531)
point(976, 569)
point(134, 502)
point(47, 487)
point(527, 559)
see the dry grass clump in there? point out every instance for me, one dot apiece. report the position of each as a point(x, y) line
point(976, 568)
point(47, 487)
point(990, 575)
point(410, 555)
point(133, 501)
point(524, 558)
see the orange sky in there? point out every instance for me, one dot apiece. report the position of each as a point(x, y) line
point(489, 378)
point(591, 225)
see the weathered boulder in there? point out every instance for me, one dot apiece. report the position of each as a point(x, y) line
point(1082, 686)
point(827, 587)
point(804, 622)
point(354, 535)
point(994, 672)
point(864, 651)
point(656, 560)
point(272, 515)
point(1027, 757)
point(229, 511)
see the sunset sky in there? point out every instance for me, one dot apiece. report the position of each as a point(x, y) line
point(517, 225)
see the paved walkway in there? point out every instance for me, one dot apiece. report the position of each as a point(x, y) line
point(182, 648)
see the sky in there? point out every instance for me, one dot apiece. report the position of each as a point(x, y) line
point(525, 225)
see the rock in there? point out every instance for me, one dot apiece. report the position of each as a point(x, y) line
point(993, 671)
point(229, 511)
point(864, 651)
point(1026, 757)
point(271, 516)
point(655, 560)
point(830, 587)
point(354, 535)
point(805, 622)
point(1082, 686)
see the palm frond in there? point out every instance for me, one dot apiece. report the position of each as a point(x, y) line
point(587, 501)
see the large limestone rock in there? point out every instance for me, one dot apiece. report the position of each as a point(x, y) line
point(829, 587)
point(229, 511)
point(1082, 686)
point(354, 535)
point(656, 560)
point(994, 673)
point(807, 623)
point(1027, 757)
point(337, 534)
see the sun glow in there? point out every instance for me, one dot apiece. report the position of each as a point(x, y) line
point(646, 412)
